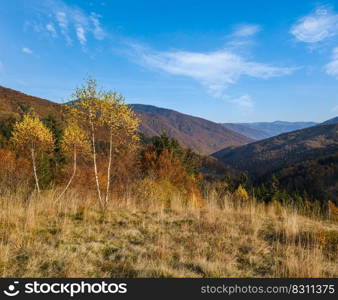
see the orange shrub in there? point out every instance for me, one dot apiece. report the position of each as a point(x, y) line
point(167, 167)
point(13, 170)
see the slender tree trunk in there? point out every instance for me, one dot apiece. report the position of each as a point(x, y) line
point(95, 166)
point(109, 166)
point(71, 178)
point(34, 170)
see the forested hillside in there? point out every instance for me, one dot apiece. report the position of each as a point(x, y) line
point(294, 158)
point(198, 134)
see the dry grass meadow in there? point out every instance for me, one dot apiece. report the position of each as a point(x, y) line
point(140, 237)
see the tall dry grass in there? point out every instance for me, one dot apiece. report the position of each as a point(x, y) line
point(153, 233)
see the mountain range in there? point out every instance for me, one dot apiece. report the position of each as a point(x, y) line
point(263, 130)
point(304, 155)
point(199, 134)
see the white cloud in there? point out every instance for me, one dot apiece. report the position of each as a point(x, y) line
point(214, 70)
point(62, 19)
point(244, 102)
point(97, 29)
point(27, 50)
point(332, 67)
point(317, 26)
point(245, 30)
point(335, 109)
point(81, 35)
point(70, 22)
point(50, 28)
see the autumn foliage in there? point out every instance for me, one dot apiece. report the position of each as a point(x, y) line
point(166, 161)
point(31, 138)
point(95, 146)
point(14, 170)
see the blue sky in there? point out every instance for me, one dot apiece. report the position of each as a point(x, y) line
point(227, 61)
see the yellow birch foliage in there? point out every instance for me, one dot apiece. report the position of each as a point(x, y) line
point(75, 139)
point(86, 104)
point(120, 119)
point(241, 193)
point(104, 110)
point(31, 133)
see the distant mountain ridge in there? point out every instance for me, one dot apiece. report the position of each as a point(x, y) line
point(246, 130)
point(263, 130)
point(199, 134)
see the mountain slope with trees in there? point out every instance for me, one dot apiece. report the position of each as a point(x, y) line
point(302, 160)
point(192, 132)
point(286, 149)
point(315, 178)
point(198, 134)
point(13, 103)
point(331, 121)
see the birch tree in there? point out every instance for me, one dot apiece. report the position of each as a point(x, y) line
point(86, 107)
point(105, 110)
point(121, 124)
point(31, 137)
point(75, 143)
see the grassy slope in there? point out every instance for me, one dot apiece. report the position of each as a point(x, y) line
point(72, 238)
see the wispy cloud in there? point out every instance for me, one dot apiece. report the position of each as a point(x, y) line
point(62, 20)
point(70, 22)
point(244, 102)
point(26, 50)
point(98, 32)
point(332, 67)
point(246, 30)
point(214, 70)
point(335, 109)
point(242, 36)
point(51, 29)
point(81, 35)
point(317, 26)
